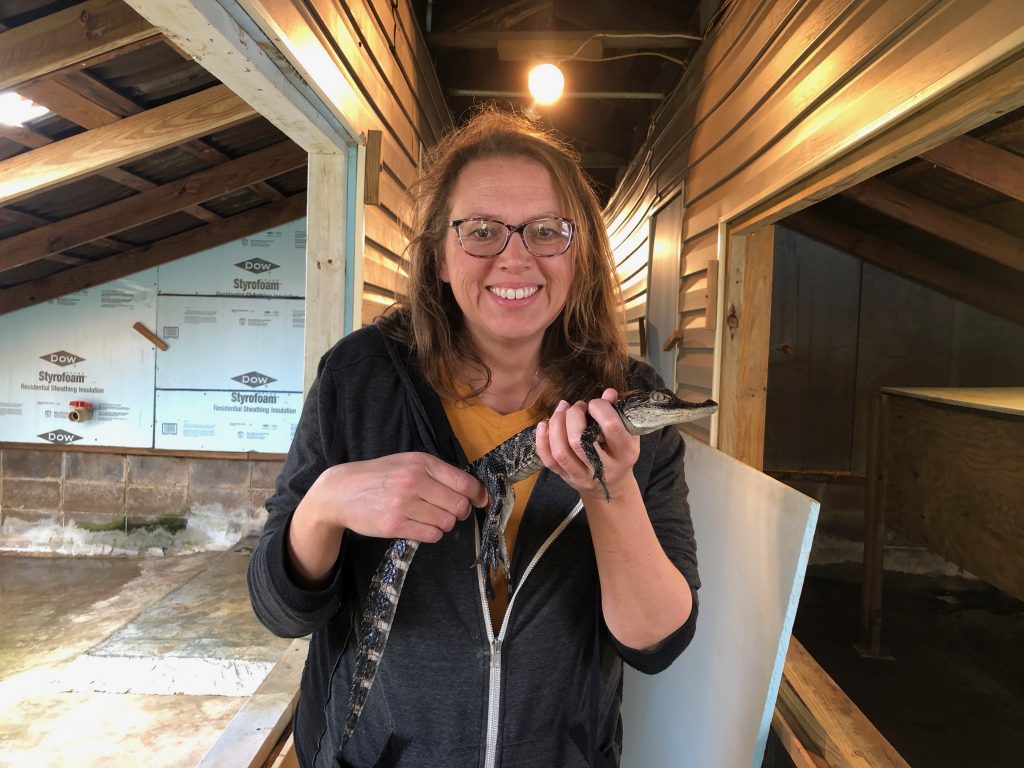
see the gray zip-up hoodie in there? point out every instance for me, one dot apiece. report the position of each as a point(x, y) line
point(544, 689)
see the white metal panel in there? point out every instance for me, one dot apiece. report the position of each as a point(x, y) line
point(713, 707)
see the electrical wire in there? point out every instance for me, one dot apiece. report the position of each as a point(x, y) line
point(612, 35)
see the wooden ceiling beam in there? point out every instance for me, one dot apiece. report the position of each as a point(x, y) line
point(68, 103)
point(59, 98)
point(170, 249)
point(64, 38)
point(64, 94)
point(30, 221)
point(44, 242)
point(959, 285)
point(119, 143)
point(940, 221)
point(982, 163)
point(484, 39)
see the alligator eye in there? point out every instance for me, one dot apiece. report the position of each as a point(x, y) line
point(660, 396)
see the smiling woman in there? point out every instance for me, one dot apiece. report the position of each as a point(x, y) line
point(512, 321)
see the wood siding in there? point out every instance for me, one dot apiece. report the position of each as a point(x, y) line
point(383, 49)
point(394, 89)
point(788, 101)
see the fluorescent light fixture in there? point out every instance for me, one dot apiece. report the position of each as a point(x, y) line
point(546, 83)
point(16, 110)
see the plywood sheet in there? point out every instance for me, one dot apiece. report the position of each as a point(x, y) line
point(713, 707)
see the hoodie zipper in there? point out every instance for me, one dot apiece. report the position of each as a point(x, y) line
point(494, 675)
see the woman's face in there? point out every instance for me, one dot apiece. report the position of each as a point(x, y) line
point(508, 300)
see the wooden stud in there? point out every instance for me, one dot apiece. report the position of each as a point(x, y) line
point(371, 195)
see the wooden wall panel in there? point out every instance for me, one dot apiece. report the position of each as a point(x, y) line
point(784, 94)
point(374, 51)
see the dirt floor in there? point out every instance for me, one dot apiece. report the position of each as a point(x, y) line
point(953, 694)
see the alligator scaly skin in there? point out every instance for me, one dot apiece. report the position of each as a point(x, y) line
point(498, 469)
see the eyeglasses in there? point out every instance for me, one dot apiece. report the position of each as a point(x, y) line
point(483, 238)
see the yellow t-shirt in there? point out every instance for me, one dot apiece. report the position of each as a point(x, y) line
point(478, 429)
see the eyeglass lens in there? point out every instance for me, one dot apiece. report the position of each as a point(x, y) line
point(487, 237)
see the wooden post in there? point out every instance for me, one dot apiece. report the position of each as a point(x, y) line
point(870, 643)
point(744, 350)
point(325, 259)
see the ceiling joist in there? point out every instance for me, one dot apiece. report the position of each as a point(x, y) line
point(127, 213)
point(961, 286)
point(122, 142)
point(66, 37)
point(492, 39)
point(982, 163)
point(945, 223)
point(137, 259)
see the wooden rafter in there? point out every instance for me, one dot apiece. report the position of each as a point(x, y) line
point(962, 286)
point(122, 142)
point(176, 247)
point(30, 221)
point(46, 241)
point(64, 94)
point(64, 38)
point(945, 223)
point(982, 163)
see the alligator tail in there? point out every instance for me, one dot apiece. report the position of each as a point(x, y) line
point(381, 602)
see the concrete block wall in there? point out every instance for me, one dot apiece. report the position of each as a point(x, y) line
point(115, 491)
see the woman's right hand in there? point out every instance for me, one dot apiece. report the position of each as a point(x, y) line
point(403, 496)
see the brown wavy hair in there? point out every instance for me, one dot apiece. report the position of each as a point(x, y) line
point(584, 349)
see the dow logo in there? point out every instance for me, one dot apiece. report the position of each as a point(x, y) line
point(253, 379)
point(257, 266)
point(60, 437)
point(62, 358)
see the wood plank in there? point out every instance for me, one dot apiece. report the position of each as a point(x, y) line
point(68, 103)
point(1008, 400)
point(326, 277)
point(901, 261)
point(744, 353)
point(254, 731)
point(945, 223)
point(381, 96)
point(896, 106)
point(834, 38)
point(137, 259)
point(161, 127)
point(146, 206)
point(982, 163)
point(212, 38)
point(63, 38)
point(838, 730)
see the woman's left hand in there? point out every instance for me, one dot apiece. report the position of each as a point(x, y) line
point(559, 446)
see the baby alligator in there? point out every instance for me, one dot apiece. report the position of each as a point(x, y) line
point(512, 461)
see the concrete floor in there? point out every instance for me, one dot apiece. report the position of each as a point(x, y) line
point(125, 661)
point(952, 696)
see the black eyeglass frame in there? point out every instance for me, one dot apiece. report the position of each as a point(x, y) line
point(518, 229)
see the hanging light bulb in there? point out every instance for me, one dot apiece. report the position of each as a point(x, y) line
point(16, 110)
point(546, 83)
